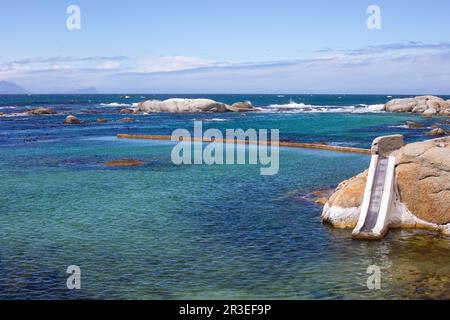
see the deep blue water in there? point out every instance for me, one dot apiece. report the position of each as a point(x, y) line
point(161, 231)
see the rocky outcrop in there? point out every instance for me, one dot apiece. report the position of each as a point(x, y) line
point(241, 107)
point(40, 111)
point(72, 120)
point(124, 163)
point(413, 125)
point(437, 132)
point(423, 179)
point(426, 105)
point(422, 190)
point(383, 146)
point(191, 105)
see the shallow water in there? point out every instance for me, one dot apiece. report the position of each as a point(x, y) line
point(162, 231)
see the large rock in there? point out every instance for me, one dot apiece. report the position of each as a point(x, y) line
point(41, 111)
point(182, 105)
point(426, 105)
point(383, 146)
point(413, 125)
point(423, 188)
point(241, 107)
point(437, 132)
point(423, 179)
point(72, 120)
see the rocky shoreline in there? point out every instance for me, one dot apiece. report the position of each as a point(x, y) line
point(428, 106)
point(422, 190)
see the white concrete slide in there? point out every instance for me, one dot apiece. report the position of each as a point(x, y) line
point(373, 221)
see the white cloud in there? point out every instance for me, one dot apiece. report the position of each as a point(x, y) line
point(108, 65)
point(173, 63)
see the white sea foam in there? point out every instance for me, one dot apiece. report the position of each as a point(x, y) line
point(215, 120)
point(118, 104)
point(294, 107)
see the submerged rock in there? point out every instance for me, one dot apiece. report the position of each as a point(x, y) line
point(127, 120)
point(72, 120)
point(426, 105)
point(41, 111)
point(124, 163)
point(422, 190)
point(437, 132)
point(126, 111)
point(413, 125)
point(101, 120)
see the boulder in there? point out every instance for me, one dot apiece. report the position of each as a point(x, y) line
point(429, 112)
point(101, 120)
point(422, 186)
point(124, 163)
point(127, 120)
point(413, 125)
point(241, 107)
point(182, 106)
point(1, 114)
point(72, 120)
point(383, 146)
point(437, 132)
point(428, 106)
point(126, 111)
point(400, 105)
point(40, 111)
point(423, 179)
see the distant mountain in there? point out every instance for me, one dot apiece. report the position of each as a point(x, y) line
point(7, 87)
point(90, 90)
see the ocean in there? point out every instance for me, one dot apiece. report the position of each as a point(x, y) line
point(161, 231)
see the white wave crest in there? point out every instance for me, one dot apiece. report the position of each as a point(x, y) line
point(117, 104)
point(294, 107)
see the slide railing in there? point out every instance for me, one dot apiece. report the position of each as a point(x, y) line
point(378, 195)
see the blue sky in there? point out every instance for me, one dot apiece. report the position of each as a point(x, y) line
point(201, 46)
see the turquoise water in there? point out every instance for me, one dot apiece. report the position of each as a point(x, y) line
point(161, 231)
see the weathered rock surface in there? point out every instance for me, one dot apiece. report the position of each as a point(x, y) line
point(72, 120)
point(413, 125)
point(423, 189)
point(41, 111)
point(124, 163)
point(437, 132)
point(127, 120)
point(126, 111)
point(191, 105)
point(241, 107)
point(423, 179)
point(383, 146)
point(426, 105)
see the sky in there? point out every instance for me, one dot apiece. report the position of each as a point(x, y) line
point(204, 46)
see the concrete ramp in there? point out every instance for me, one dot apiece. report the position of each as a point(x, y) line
point(373, 220)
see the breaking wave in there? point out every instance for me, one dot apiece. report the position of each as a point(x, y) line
point(118, 104)
point(294, 107)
